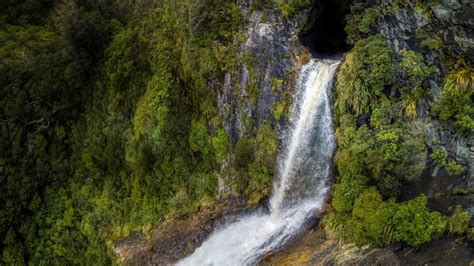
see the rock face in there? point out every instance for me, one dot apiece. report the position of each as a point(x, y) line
point(173, 239)
point(270, 56)
point(320, 248)
point(273, 56)
point(451, 22)
point(444, 251)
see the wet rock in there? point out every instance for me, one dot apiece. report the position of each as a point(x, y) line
point(173, 239)
point(269, 51)
point(133, 246)
point(320, 248)
point(444, 251)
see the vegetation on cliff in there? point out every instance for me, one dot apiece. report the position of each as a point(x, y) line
point(380, 147)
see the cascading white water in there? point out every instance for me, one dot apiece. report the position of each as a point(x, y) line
point(304, 169)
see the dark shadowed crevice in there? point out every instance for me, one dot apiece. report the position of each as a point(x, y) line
point(324, 34)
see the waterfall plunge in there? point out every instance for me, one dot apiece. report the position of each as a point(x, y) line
point(304, 169)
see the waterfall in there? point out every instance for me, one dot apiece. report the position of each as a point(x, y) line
point(302, 183)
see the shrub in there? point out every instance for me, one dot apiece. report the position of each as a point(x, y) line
point(199, 139)
point(369, 17)
point(451, 166)
point(439, 157)
point(415, 74)
point(261, 170)
point(405, 154)
point(360, 22)
point(383, 115)
point(377, 222)
point(454, 168)
point(366, 71)
point(346, 191)
point(221, 144)
point(389, 156)
point(456, 106)
point(470, 234)
point(263, 4)
point(370, 217)
point(289, 8)
point(389, 186)
point(244, 153)
point(415, 224)
point(458, 223)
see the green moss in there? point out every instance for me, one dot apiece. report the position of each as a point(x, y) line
point(433, 44)
point(428, 40)
point(281, 109)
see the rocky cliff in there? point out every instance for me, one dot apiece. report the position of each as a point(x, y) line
point(413, 27)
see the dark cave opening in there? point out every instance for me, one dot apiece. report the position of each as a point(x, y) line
point(325, 34)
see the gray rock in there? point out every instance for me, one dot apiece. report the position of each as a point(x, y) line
point(272, 43)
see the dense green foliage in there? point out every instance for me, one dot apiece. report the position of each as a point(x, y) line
point(287, 8)
point(456, 106)
point(109, 124)
point(366, 71)
point(360, 22)
point(377, 222)
point(380, 148)
point(458, 223)
point(255, 160)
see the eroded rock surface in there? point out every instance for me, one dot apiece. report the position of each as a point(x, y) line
point(321, 248)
